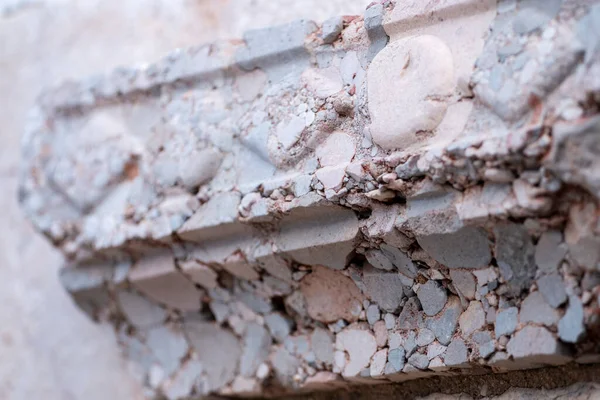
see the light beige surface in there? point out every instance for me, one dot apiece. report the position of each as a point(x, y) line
point(48, 348)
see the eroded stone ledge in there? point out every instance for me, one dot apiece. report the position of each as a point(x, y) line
point(405, 195)
point(565, 382)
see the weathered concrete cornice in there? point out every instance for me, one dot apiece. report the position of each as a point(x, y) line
point(383, 198)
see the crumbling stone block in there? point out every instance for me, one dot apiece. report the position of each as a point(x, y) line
point(381, 198)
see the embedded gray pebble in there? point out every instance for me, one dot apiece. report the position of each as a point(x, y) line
point(400, 260)
point(456, 353)
point(534, 14)
point(184, 381)
point(373, 314)
point(373, 23)
point(432, 297)
point(419, 361)
point(384, 288)
point(411, 316)
point(425, 337)
point(394, 340)
point(550, 251)
point(552, 288)
point(390, 320)
point(209, 340)
point(536, 342)
point(506, 321)
point(444, 325)
point(535, 309)
point(434, 350)
point(140, 312)
point(464, 282)
point(410, 343)
point(322, 345)
point(257, 342)
point(331, 29)
point(466, 248)
point(396, 358)
point(515, 256)
point(297, 344)
point(389, 369)
point(485, 343)
point(168, 345)
point(285, 365)
point(220, 310)
point(256, 303)
point(473, 318)
point(278, 325)
point(379, 260)
point(570, 326)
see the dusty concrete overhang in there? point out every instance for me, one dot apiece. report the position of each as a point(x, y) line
point(374, 199)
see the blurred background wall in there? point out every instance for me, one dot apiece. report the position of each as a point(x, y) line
point(48, 349)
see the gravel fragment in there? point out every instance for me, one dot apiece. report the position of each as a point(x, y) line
point(373, 314)
point(322, 345)
point(535, 309)
point(552, 288)
point(331, 29)
point(400, 260)
point(570, 326)
point(389, 369)
point(409, 343)
point(378, 363)
point(435, 349)
point(472, 319)
point(396, 358)
point(140, 312)
point(384, 288)
point(377, 259)
point(285, 365)
point(411, 316)
point(456, 353)
point(279, 326)
point(466, 248)
point(330, 295)
point(394, 340)
point(425, 337)
point(506, 321)
point(444, 324)
point(257, 342)
point(184, 381)
point(464, 282)
point(432, 297)
point(550, 251)
point(255, 302)
point(437, 364)
point(360, 346)
point(538, 344)
point(419, 361)
point(390, 320)
point(381, 333)
point(515, 256)
point(168, 345)
point(485, 343)
point(209, 340)
point(534, 14)
point(219, 310)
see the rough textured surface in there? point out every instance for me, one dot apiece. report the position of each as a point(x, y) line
point(347, 211)
point(49, 349)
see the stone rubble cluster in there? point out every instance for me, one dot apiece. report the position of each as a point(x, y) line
point(404, 195)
